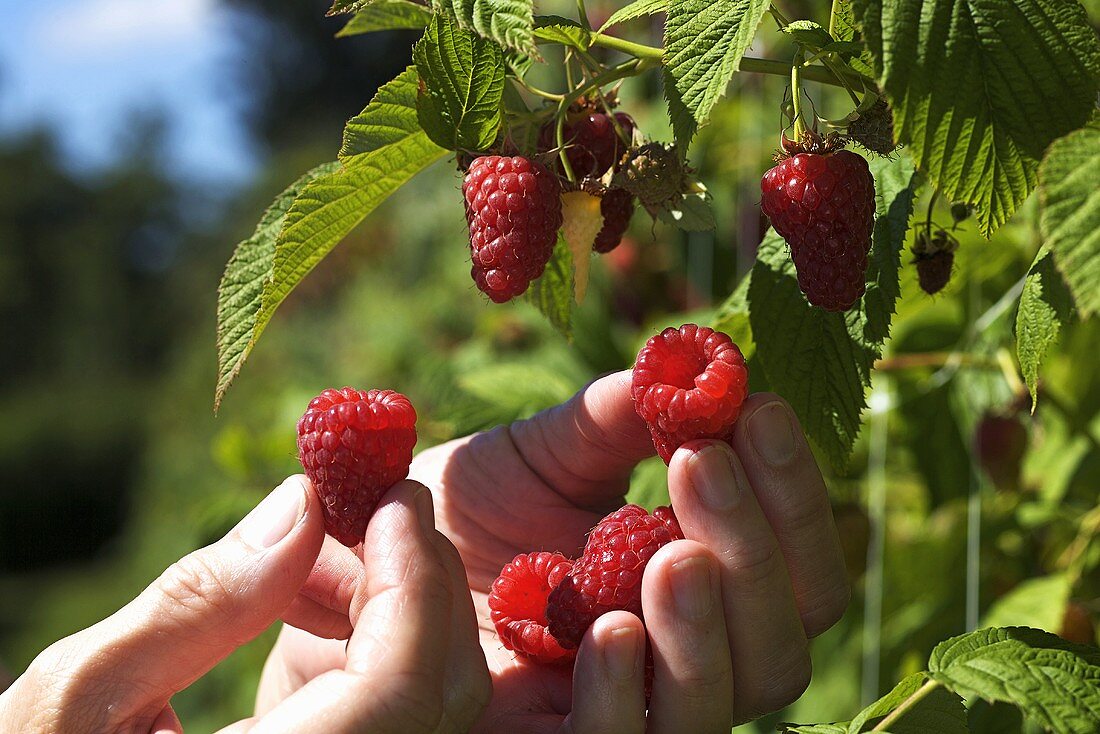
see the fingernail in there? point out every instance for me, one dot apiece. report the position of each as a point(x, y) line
point(425, 511)
point(275, 517)
point(620, 653)
point(771, 433)
point(691, 588)
point(713, 476)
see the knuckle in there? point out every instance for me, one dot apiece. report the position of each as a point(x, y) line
point(194, 586)
point(756, 563)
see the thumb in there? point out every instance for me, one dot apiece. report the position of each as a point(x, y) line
point(214, 600)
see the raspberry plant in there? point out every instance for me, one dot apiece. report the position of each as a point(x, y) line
point(968, 106)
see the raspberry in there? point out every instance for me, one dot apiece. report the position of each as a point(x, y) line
point(592, 144)
point(517, 605)
point(689, 383)
point(935, 257)
point(1000, 443)
point(822, 201)
point(654, 173)
point(355, 445)
point(609, 574)
point(874, 129)
point(513, 207)
point(616, 206)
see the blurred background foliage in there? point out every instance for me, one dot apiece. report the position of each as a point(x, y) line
point(114, 465)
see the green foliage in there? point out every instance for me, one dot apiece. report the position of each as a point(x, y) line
point(562, 30)
point(508, 22)
point(1070, 218)
point(980, 88)
point(821, 362)
point(636, 9)
point(461, 82)
point(937, 710)
point(1055, 682)
point(552, 293)
point(1039, 602)
point(386, 15)
point(240, 295)
point(704, 41)
point(1046, 305)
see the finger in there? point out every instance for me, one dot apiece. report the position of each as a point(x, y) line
point(203, 607)
point(336, 574)
point(716, 507)
point(297, 658)
point(609, 678)
point(788, 485)
point(167, 722)
point(467, 686)
point(587, 447)
point(393, 680)
point(308, 615)
point(692, 677)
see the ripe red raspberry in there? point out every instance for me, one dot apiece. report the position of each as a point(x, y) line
point(513, 207)
point(689, 383)
point(592, 144)
point(934, 255)
point(517, 605)
point(609, 574)
point(355, 445)
point(616, 206)
point(822, 201)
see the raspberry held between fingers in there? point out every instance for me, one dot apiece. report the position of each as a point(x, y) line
point(689, 383)
point(608, 576)
point(354, 445)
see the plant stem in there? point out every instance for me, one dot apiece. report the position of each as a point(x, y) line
point(915, 698)
point(638, 50)
point(536, 91)
point(796, 96)
point(582, 14)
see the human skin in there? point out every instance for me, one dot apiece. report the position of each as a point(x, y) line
point(728, 611)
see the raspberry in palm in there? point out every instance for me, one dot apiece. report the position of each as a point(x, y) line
point(689, 383)
point(517, 605)
point(821, 200)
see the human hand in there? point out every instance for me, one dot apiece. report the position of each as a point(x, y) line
point(728, 611)
point(119, 675)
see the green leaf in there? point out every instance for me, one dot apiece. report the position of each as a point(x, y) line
point(1046, 305)
point(340, 7)
point(518, 388)
point(1056, 683)
point(461, 86)
point(807, 33)
point(1037, 602)
point(842, 23)
point(553, 292)
point(821, 362)
point(561, 30)
point(383, 148)
point(930, 708)
point(842, 27)
point(1070, 218)
point(636, 9)
point(241, 291)
point(704, 42)
point(980, 88)
point(508, 22)
point(386, 15)
point(813, 728)
point(691, 212)
point(732, 318)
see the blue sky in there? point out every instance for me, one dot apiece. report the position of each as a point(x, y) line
point(85, 67)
